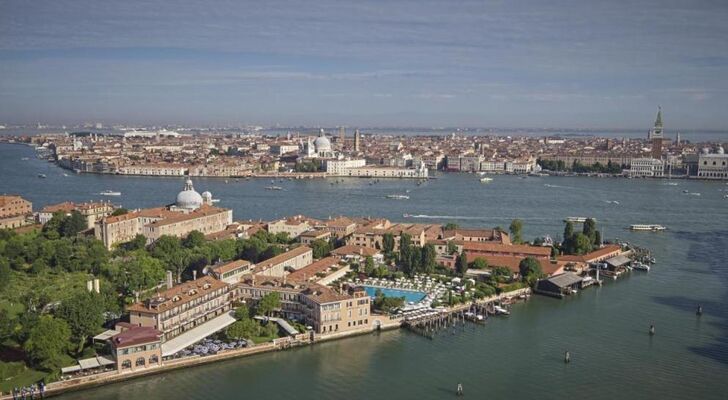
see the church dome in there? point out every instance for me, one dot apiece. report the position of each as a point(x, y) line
point(322, 143)
point(188, 197)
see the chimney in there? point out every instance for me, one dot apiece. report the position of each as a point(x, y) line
point(170, 281)
point(90, 286)
point(194, 275)
point(97, 286)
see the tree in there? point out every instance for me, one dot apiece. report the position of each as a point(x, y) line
point(388, 243)
point(321, 248)
point(369, 265)
point(47, 342)
point(451, 226)
point(405, 252)
point(452, 248)
point(242, 329)
point(429, 256)
point(590, 228)
point(52, 228)
point(597, 239)
point(139, 242)
point(479, 263)
point(84, 313)
point(119, 211)
point(5, 273)
point(270, 252)
point(581, 244)
point(242, 313)
point(530, 270)
point(568, 230)
point(461, 264)
point(269, 303)
point(193, 239)
point(516, 229)
point(73, 224)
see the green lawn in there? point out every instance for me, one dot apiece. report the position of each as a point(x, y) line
point(263, 339)
point(16, 374)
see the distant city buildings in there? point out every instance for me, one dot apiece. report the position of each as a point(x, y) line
point(15, 211)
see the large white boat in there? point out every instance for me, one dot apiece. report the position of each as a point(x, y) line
point(647, 227)
point(580, 220)
point(486, 179)
point(398, 196)
point(110, 193)
point(501, 311)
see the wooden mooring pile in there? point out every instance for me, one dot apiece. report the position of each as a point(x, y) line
point(429, 324)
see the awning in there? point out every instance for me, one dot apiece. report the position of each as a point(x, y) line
point(104, 336)
point(68, 370)
point(197, 333)
point(282, 323)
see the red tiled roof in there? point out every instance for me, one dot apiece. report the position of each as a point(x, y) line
point(314, 268)
point(135, 336)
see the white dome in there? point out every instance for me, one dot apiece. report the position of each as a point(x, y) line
point(206, 195)
point(322, 144)
point(188, 197)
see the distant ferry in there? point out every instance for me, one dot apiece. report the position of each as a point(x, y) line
point(398, 196)
point(648, 227)
point(110, 193)
point(486, 179)
point(273, 188)
point(579, 220)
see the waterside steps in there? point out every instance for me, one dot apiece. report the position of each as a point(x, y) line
point(429, 324)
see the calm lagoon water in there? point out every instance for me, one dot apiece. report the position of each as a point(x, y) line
point(516, 357)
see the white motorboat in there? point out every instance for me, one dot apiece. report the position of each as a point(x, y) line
point(486, 179)
point(647, 227)
point(398, 196)
point(110, 193)
point(640, 267)
point(273, 188)
point(501, 311)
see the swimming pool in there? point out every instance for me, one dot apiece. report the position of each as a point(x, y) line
point(409, 295)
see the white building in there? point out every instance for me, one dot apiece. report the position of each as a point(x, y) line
point(646, 167)
point(339, 167)
point(370, 171)
point(713, 165)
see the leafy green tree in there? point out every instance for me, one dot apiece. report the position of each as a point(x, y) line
point(73, 224)
point(516, 229)
point(369, 265)
point(52, 228)
point(269, 303)
point(590, 228)
point(461, 264)
point(282, 238)
point(530, 270)
point(139, 242)
point(119, 211)
point(270, 252)
point(405, 253)
point(251, 249)
point(193, 239)
point(479, 263)
point(568, 230)
point(47, 342)
point(451, 226)
point(84, 313)
point(581, 244)
point(242, 329)
point(242, 313)
point(452, 248)
point(597, 239)
point(7, 325)
point(321, 248)
point(429, 257)
point(388, 244)
point(5, 273)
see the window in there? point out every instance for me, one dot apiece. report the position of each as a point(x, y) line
point(153, 359)
point(126, 364)
point(140, 362)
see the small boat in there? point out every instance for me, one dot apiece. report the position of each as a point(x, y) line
point(65, 174)
point(398, 196)
point(640, 267)
point(486, 179)
point(406, 215)
point(273, 188)
point(25, 158)
point(110, 193)
point(694, 194)
point(647, 227)
point(215, 200)
point(42, 176)
point(501, 311)
point(686, 191)
point(671, 183)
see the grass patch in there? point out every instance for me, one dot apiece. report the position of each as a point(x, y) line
point(263, 339)
point(17, 374)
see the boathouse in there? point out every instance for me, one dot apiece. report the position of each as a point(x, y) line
point(559, 285)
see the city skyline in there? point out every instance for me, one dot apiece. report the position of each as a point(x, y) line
point(472, 64)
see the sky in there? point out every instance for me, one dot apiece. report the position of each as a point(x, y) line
point(417, 63)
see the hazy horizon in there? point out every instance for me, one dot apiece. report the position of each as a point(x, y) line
point(525, 65)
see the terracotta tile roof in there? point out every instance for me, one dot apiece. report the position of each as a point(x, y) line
point(230, 266)
point(178, 295)
point(281, 258)
point(479, 247)
point(312, 269)
point(594, 255)
point(135, 336)
point(203, 211)
point(354, 250)
point(324, 294)
point(512, 262)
